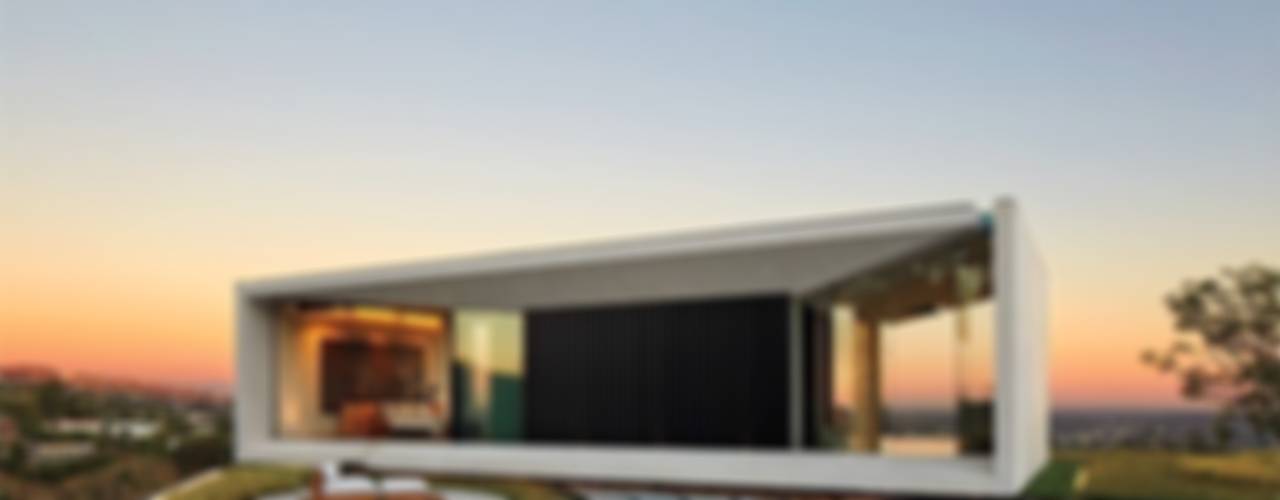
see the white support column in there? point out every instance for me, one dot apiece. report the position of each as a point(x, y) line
point(1022, 404)
point(255, 378)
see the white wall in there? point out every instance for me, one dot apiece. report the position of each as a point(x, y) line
point(255, 394)
point(1022, 406)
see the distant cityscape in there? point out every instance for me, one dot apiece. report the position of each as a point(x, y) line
point(1072, 427)
point(87, 436)
point(120, 438)
point(1167, 429)
point(1105, 428)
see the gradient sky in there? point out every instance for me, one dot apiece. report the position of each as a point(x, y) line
point(154, 152)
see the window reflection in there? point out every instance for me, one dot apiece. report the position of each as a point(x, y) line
point(902, 354)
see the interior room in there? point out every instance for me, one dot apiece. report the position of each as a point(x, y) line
point(902, 358)
point(362, 371)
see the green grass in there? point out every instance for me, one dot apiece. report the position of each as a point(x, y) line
point(244, 482)
point(1056, 480)
point(1103, 475)
point(510, 489)
point(1132, 474)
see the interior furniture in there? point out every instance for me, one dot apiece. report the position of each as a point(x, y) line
point(413, 418)
point(362, 419)
point(330, 483)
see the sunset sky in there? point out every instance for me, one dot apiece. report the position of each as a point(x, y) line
point(155, 152)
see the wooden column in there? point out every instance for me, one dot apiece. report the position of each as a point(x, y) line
point(866, 385)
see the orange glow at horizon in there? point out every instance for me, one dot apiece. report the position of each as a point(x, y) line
point(183, 336)
point(121, 310)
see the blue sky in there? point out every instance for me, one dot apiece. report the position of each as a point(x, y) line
point(862, 103)
point(196, 142)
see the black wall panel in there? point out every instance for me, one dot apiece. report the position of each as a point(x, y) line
point(701, 373)
point(818, 411)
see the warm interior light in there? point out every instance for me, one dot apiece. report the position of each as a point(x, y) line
point(374, 318)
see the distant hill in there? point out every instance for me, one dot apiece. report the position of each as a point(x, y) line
point(30, 373)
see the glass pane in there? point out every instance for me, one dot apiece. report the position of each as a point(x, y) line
point(362, 371)
point(902, 354)
point(489, 372)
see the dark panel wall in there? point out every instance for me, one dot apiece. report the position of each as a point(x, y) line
point(818, 410)
point(704, 373)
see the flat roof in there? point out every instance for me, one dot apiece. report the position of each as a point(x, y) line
point(739, 240)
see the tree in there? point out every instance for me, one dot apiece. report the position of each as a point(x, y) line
point(1228, 345)
point(202, 453)
point(17, 457)
point(51, 398)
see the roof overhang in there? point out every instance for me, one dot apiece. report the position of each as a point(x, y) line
point(785, 257)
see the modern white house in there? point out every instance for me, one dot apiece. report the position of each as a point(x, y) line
point(900, 351)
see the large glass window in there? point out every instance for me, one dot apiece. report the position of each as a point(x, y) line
point(902, 356)
point(488, 357)
point(363, 371)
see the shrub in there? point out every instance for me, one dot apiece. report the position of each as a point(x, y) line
point(52, 473)
point(202, 453)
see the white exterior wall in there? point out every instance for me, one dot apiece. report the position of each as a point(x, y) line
point(255, 399)
point(1022, 346)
